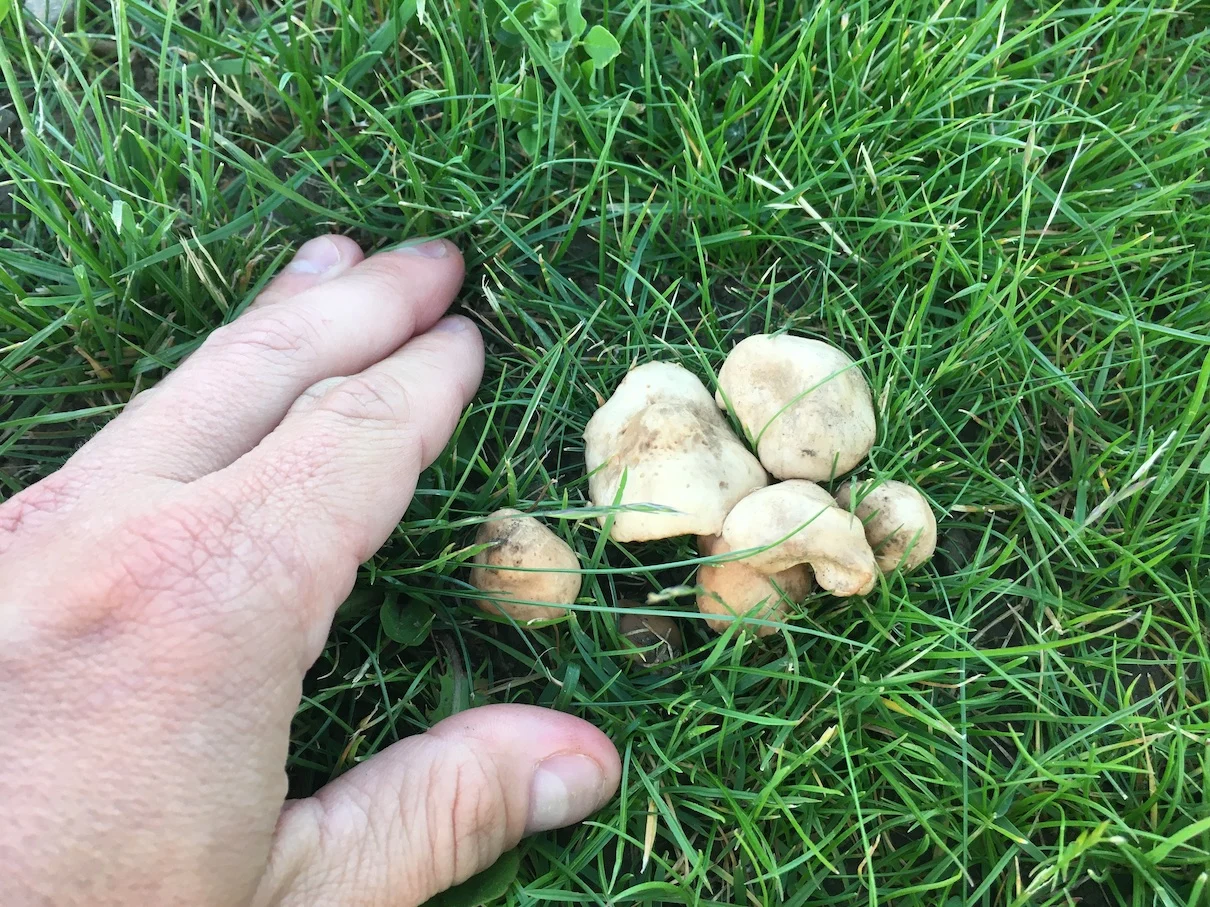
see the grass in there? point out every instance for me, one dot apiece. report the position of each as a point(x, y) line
point(1001, 209)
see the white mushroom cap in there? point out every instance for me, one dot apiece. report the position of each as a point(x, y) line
point(899, 523)
point(804, 403)
point(734, 589)
point(797, 522)
point(662, 435)
point(527, 564)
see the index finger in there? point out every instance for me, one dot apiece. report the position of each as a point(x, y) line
point(231, 393)
point(336, 476)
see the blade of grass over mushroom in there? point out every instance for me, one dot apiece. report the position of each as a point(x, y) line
point(796, 398)
point(1024, 193)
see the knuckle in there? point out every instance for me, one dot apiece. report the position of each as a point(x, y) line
point(468, 815)
point(175, 550)
point(390, 277)
point(198, 556)
point(197, 577)
point(313, 394)
point(150, 568)
point(375, 397)
point(45, 500)
point(275, 332)
point(141, 400)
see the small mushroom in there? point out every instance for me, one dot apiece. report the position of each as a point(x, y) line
point(528, 572)
point(657, 639)
point(804, 403)
point(734, 589)
point(797, 522)
point(660, 440)
point(899, 523)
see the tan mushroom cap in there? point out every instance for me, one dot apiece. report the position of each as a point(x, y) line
point(804, 403)
point(899, 523)
point(797, 522)
point(549, 570)
point(661, 433)
point(733, 589)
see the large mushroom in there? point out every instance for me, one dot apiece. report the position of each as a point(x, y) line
point(732, 589)
point(797, 522)
point(804, 403)
point(660, 440)
point(526, 572)
point(899, 523)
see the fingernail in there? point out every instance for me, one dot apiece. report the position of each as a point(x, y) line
point(315, 256)
point(451, 324)
point(426, 248)
point(564, 789)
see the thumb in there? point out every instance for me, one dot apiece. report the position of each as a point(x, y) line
point(433, 810)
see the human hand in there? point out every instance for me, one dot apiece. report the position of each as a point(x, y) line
point(162, 595)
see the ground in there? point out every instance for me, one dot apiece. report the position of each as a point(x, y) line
point(1001, 209)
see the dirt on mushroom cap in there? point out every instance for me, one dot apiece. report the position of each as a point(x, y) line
point(805, 404)
point(660, 440)
point(526, 563)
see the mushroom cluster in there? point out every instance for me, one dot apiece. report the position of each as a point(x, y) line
point(663, 462)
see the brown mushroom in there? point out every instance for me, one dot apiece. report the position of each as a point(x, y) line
point(526, 572)
point(732, 589)
point(655, 638)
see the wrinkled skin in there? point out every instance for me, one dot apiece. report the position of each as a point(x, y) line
point(163, 593)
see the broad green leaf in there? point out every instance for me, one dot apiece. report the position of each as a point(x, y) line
point(482, 888)
point(506, 99)
point(546, 15)
point(360, 601)
point(522, 14)
point(576, 23)
point(530, 140)
point(602, 47)
point(454, 693)
point(407, 624)
point(518, 102)
point(5, 6)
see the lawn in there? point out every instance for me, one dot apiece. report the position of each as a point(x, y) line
point(1002, 210)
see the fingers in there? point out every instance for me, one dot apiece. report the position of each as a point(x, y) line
point(434, 809)
point(232, 392)
point(317, 260)
point(341, 467)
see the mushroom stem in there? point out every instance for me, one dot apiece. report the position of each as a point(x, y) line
point(734, 589)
